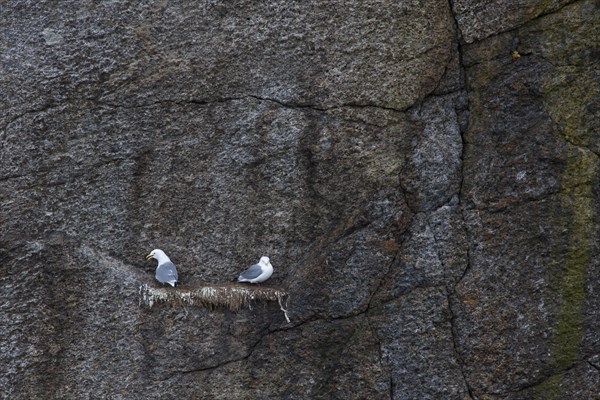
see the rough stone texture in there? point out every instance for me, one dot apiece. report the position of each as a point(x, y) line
point(527, 308)
point(427, 200)
point(478, 19)
point(416, 347)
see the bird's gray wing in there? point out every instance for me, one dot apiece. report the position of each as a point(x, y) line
point(166, 272)
point(252, 272)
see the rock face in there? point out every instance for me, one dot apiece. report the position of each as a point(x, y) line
point(423, 176)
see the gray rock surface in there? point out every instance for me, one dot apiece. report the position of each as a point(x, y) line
point(526, 311)
point(423, 176)
point(479, 19)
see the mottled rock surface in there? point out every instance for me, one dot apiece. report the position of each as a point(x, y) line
point(422, 174)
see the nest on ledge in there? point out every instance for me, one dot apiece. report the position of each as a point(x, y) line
point(231, 296)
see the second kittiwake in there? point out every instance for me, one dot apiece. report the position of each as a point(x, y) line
point(258, 272)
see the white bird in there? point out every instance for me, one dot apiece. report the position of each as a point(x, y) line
point(166, 272)
point(258, 272)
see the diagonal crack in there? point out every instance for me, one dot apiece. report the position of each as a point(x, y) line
point(266, 332)
point(538, 382)
point(26, 112)
point(520, 25)
point(580, 146)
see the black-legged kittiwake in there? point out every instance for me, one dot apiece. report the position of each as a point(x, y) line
point(166, 272)
point(258, 272)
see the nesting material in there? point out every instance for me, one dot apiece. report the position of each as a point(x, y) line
point(230, 296)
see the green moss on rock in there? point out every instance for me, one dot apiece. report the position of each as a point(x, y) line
point(577, 205)
point(567, 93)
point(549, 389)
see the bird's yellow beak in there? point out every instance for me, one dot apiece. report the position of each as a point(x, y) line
point(149, 256)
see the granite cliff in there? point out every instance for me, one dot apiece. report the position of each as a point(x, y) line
point(424, 176)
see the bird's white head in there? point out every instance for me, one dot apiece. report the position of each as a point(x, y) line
point(159, 255)
point(265, 260)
